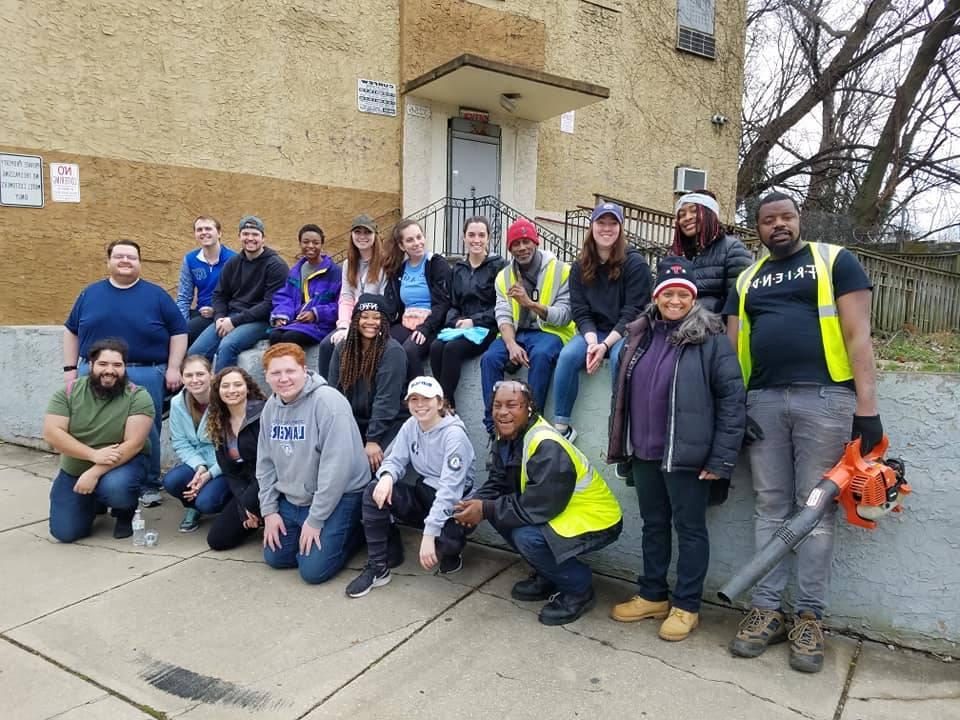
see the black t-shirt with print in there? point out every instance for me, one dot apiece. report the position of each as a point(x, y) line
point(785, 342)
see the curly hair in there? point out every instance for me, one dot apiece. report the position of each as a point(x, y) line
point(395, 253)
point(708, 230)
point(357, 363)
point(590, 258)
point(218, 414)
point(353, 261)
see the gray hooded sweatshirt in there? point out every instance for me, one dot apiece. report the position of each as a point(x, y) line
point(443, 455)
point(310, 451)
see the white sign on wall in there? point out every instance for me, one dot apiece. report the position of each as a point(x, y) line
point(567, 122)
point(21, 180)
point(379, 98)
point(65, 182)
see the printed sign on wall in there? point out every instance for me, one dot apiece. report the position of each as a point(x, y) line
point(21, 180)
point(65, 182)
point(378, 98)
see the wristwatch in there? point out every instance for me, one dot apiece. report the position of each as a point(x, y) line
point(68, 368)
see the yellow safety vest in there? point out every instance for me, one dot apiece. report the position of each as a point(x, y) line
point(831, 334)
point(592, 506)
point(556, 274)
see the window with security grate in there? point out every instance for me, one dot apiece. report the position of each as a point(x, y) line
point(695, 27)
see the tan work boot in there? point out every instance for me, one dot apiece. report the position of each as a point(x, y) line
point(636, 608)
point(678, 625)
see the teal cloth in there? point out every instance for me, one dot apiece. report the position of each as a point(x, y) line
point(474, 334)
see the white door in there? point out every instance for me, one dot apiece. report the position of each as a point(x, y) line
point(474, 173)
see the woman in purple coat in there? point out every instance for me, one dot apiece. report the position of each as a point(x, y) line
point(305, 308)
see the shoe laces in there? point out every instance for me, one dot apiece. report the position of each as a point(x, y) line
point(553, 597)
point(807, 632)
point(753, 620)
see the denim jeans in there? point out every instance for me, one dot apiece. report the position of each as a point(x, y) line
point(72, 514)
point(342, 534)
point(805, 429)
point(212, 496)
point(542, 348)
point(680, 499)
point(227, 349)
point(153, 379)
point(571, 576)
point(566, 378)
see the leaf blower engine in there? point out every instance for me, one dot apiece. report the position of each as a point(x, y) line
point(866, 487)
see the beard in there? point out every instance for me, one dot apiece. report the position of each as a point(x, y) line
point(108, 393)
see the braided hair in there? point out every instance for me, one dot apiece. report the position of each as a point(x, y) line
point(355, 362)
point(708, 230)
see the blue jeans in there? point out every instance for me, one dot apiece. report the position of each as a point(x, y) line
point(805, 428)
point(571, 576)
point(72, 514)
point(566, 379)
point(151, 378)
point(212, 496)
point(542, 348)
point(680, 499)
point(342, 534)
point(227, 349)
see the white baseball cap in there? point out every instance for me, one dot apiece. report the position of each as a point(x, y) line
point(426, 386)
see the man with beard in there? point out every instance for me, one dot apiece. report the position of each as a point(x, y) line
point(99, 424)
point(800, 322)
point(146, 318)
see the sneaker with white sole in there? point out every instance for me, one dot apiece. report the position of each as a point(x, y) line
point(191, 521)
point(450, 564)
point(569, 433)
point(151, 497)
point(372, 576)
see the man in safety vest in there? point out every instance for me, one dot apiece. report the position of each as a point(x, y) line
point(799, 319)
point(548, 502)
point(533, 315)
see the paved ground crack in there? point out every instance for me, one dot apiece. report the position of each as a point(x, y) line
point(97, 699)
point(851, 670)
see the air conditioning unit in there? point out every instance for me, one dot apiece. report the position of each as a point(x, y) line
point(687, 179)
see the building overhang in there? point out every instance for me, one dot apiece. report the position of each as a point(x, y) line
point(475, 82)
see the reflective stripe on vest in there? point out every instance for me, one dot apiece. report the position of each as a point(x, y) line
point(831, 334)
point(592, 507)
point(556, 274)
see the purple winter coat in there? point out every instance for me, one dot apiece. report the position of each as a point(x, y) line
point(323, 292)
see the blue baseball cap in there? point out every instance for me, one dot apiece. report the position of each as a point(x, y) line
point(607, 208)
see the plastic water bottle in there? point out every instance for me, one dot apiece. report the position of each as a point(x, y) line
point(139, 529)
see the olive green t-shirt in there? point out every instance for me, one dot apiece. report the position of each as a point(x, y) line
point(95, 421)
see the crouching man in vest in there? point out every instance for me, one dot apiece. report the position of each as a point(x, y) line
point(800, 322)
point(548, 502)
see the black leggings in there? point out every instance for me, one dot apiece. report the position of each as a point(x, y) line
point(279, 335)
point(416, 354)
point(447, 359)
point(227, 530)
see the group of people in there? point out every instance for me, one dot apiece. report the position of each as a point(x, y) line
point(715, 352)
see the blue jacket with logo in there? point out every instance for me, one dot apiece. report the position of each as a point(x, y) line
point(196, 273)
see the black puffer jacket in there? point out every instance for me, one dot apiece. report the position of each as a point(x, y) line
point(715, 270)
point(472, 292)
point(706, 411)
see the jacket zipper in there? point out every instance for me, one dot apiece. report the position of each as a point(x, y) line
point(673, 411)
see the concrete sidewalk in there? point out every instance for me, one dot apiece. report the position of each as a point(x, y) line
point(101, 630)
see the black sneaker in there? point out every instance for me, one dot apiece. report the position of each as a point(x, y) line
point(123, 528)
point(564, 608)
point(394, 548)
point(533, 588)
point(625, 472)
point(371, 577)
point(757, 630)
point(806, 643)
point(450, 564)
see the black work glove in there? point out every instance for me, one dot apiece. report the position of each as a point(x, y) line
point(752, 433)
point(870, 431)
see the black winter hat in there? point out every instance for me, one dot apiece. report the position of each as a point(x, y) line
point(369, 301)
point(674, 271)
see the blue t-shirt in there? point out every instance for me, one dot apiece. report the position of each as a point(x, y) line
point(414, 291)
point(144, 316)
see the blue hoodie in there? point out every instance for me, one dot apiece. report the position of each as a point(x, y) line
point(190, 443)
point(196, 272)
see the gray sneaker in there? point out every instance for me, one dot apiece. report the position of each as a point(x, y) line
point(151, 497)
point(758, 629)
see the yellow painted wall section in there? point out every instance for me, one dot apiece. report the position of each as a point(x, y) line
point(53, 252)
point(262, 88)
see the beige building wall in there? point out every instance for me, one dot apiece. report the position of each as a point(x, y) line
point(176, 109)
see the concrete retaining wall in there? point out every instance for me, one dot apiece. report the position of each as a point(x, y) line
point(898, 583)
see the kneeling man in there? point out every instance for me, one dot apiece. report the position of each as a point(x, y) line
point(99, 424)
point(311, 468)
point(546, 499)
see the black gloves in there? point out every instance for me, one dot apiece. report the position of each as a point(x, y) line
point(869, 430)
point(753, 432)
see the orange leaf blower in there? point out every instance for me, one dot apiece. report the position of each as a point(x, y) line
point(866, 487)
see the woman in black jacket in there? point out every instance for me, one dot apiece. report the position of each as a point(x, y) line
point(679, 414)
point(417, 293)
point(472, 299)
point(233, 425)
point(717, 257)
point(370, 369)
